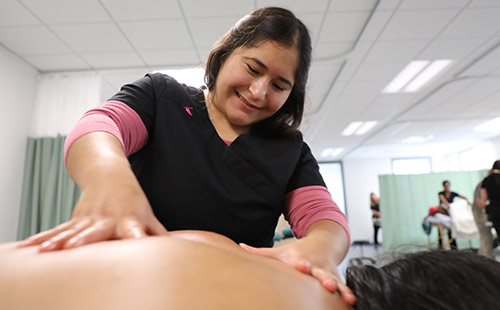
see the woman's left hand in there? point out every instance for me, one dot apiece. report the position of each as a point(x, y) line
point(307, 258)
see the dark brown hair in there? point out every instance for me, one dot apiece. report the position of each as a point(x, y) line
point(496, 165)
point(437, 280)
point(276, 25)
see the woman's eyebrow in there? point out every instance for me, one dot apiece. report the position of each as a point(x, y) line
point(261, 64)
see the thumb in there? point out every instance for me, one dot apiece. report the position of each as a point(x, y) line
point(267, 252)
point(130, 229)
point(301, 265)
point(156, 228)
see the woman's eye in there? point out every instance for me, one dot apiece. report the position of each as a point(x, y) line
point(278, 87)
point(252, 69)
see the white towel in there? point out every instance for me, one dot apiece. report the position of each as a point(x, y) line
point(462, 221)
point(439, 218)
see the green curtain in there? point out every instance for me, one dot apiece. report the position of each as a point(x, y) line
point(48, 194)
point(405, 200)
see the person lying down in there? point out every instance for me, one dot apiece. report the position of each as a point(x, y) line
point(203, 270)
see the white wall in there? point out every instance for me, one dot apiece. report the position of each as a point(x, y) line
point(450, 162)
point(361, 179)
point(496, 147)
point(17, 92)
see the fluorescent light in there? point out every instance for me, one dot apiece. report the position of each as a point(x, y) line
point(492, 125)
point(351, 128)
point(331, 152)
point(425, 76)
point(417, 139)
point(405, 76)
point(358, 128)
point(336, 151)
point(365, 128)
point(189, 76)
point(326, 152)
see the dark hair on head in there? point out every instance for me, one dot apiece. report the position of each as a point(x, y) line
point(496, 165)
point(276, 25)
point(445, 181)
point(428, 280)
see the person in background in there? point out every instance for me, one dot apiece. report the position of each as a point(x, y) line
point(480, 217)
point(445, 198)
point(490, 191)
point(376, 217)
point(228, 158)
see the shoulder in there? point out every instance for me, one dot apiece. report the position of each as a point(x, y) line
point(171, 90)
point(164, 80)
point(306, 170)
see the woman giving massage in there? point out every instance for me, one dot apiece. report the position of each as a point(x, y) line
point(162, 156)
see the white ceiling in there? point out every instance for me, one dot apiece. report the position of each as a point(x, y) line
point(359, 46)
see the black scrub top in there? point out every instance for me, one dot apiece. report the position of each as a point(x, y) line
point(194, 180)
point(492, 186)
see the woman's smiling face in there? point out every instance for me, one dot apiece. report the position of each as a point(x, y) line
point(254, 83)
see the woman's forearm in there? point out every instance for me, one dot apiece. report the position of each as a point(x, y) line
point(97, 160)
point(443, 200)
point(481, 200)
point(331, 237)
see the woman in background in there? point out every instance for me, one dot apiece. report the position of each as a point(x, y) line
point(445, 198)
point(376, 217)
point(480, 218)
point(490, 191)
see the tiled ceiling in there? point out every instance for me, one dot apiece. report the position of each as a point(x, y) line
point(359, 46)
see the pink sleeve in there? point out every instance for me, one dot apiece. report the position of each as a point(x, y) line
point(309, 204)
point(113, 117)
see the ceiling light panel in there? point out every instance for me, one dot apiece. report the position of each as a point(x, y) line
point(426, 75)
point(405, 76)
point(351, 128)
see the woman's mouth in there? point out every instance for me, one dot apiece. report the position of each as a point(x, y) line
point(246, 103)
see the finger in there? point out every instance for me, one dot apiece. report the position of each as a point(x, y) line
point(45, 235)
point(333, 284)
point(346, 293)
point(267, 252)
point(325, 278)
point(57, 242)
point(99, 231)
point(303, 266)
point(130, 229)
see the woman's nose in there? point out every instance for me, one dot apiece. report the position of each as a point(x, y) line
point(258, 89)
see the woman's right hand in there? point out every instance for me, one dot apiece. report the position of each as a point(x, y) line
point(113, 204)
point(99, 217)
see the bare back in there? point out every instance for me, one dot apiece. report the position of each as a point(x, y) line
point(184, 270)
